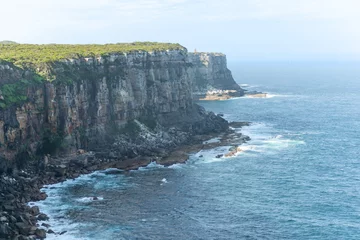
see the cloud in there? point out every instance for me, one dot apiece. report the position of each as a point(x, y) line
point(284, 9)
point(99, 21)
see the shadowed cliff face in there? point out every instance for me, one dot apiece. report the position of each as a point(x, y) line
point(211, 74)
point(92, 102)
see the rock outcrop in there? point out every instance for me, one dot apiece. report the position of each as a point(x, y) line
point(105, 103)
point(212, 79)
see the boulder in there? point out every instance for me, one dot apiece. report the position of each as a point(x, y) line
point(42, 217)
point(35, 210)
point(3, 219)
point(60, 170)
point(24, 228)
point(4, 230)
point(42, 196)
point(40, 233)
point(45, 225)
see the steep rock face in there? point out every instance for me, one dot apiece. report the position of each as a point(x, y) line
point(92, 103)
point(212, 75)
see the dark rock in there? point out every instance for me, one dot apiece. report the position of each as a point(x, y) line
point(42, 196)
point(21, 237)
point(8, 208)
point(113, 171)
point(23, 228)
point(3, 219)
point(239, 124)
point(219, 156)
point(32, 230)
point(42, 217)
point(60, 170)
point(63, 232)
point(45, 225)
point(50, 231)
point(35, 210)
point(40, 233)
point(4, 230)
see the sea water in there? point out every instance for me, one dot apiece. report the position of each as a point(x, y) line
point(298, 178)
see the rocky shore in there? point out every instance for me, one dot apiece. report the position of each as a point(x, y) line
point(19, 221)
point(79, 113)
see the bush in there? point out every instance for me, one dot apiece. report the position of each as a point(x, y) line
point(22, 54)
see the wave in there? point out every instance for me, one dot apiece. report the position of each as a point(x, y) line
point(270, 95)
point(89, 199)
point(246, 85)
point(56, 209)
point(150, 166)
point(74, 197)
point(163, 181)
point(265, 139)
point(213, 140)
point(176, 166)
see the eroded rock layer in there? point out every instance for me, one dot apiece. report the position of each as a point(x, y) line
point(212, 79)
point(104, 103)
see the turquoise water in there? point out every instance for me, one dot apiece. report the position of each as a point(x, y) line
point(298, 178)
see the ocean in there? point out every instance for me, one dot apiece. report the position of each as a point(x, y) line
point(298, 178)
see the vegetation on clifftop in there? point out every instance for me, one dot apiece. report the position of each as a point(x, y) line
point(20, 54)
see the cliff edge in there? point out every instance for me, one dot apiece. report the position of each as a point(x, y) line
point(118, 104)
point(212, 79)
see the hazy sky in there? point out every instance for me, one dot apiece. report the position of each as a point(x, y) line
point(243, 29)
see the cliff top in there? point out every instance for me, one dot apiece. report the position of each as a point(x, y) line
point(33, 53)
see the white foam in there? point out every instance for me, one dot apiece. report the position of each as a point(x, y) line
point(164, 180)
point(268, 140)
point(246, 148)
point(89, 199)
point(177, 166)
point(150, 166)
point(209, 155)
point(55, 209)
point(247, 86)
point(275, 95)
point(56, 206)
point(213, 140)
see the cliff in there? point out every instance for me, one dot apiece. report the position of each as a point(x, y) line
point(212, 77)
point(67, 110)
point(119, 105)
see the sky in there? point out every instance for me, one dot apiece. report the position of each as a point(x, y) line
point(242, 29)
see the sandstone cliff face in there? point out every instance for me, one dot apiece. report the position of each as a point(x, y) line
point(130, 103)
point(211, 74)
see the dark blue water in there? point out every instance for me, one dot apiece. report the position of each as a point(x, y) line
point(299, 178)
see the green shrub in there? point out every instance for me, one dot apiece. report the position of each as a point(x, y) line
point(23, 54)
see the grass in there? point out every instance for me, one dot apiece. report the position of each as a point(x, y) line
point(22, 54)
